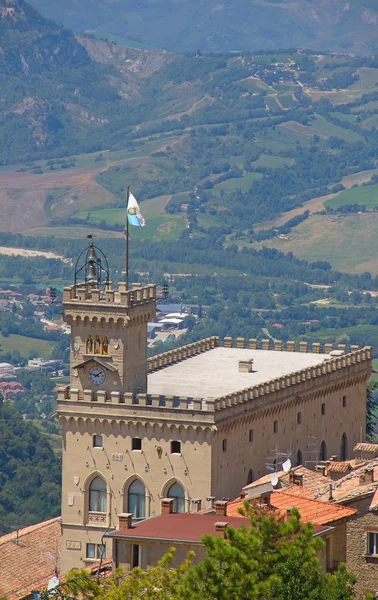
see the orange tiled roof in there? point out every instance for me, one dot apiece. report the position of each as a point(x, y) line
point(350, 486)
point(26, 563)
point(314, 511)
point(339, 467)
point(363, 447)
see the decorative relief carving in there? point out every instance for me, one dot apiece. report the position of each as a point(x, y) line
point(96, 518)
point(73, 545)
point(116, 456)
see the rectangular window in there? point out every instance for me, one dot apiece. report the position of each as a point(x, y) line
point(101, 551)
point(224, 446)
point(299, 418)
point(344, 401)
point(97, 441)
point(372, 542)
point(323, 409)
point(251, 436)
point(175, 447)
point(136, 444)
point(275, 427)
point(91, 550)
point(135, 556)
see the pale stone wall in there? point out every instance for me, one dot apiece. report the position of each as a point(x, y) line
point(119, 466)
point(280, 401)
point(363, 567)
point(152, 551)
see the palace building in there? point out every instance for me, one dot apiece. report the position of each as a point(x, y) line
point(192, 424)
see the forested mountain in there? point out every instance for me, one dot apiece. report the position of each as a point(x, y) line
point(29, 473)
point(213, 26)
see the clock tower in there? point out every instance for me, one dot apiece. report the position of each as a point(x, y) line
point(108, 366)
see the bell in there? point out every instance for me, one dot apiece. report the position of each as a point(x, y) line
point(92, 272)
point(91, 253)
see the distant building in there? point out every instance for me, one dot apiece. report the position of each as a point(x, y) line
point(41, 364)
point(11, 389)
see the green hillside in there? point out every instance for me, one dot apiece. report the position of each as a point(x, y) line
point(29, 473)
point(212, 26)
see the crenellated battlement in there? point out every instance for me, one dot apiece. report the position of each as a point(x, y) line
point(279, 345)
point(88, 293)
point(173, 357)
point(252, 397)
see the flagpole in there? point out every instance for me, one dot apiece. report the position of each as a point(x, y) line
point(127, 238)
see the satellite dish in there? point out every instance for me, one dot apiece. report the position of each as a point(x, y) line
point(287, 465)
point(274, 479)
point(53, 583)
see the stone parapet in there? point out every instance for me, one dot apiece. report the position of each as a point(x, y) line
point(178, 355)
point(295, 383)
point(278, 345)
point(87, 293)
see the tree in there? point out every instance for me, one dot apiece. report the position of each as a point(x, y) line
point(371, 386)
point(272, 559)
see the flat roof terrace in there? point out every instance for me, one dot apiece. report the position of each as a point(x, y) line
point(216, 372)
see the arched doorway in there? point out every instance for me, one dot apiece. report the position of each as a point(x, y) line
point(299, 458)
point(250, 477)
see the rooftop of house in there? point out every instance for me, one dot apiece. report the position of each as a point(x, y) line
point(216, 372)
point(312, 480)
point(27, 558)
point(313, 511)
point(361, 481)
point(185, 527)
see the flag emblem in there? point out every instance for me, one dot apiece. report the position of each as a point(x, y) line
point(134, 214)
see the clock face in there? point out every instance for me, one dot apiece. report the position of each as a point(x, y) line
point(96, 375)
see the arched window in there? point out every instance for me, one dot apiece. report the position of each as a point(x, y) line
point(136, 499)
point(344, 447)
point(176, 491)
point(299, 458)
point(105, 345)
point(89, 344)
point(323, 451)
point(250, 477)
point(97, 495)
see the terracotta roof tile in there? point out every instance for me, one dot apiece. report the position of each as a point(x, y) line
point(363, 447)
point(188, 527)
point(352, 486)
point(339, 467)
point(25, 562)
point(314, 511)
point(312, 480)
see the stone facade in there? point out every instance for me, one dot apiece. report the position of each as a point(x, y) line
point(363, 566)
point(117, 432)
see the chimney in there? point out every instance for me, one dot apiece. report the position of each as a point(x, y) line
point(334, 457)
point(246, 366)
point(367, 476)
point(196, 505)
point(220, 526)
point(125, 520)
point(295, 478)
point(243, 495)
point(167, 506)
point(330, 496)
point(221, 508)
point(210, 502)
